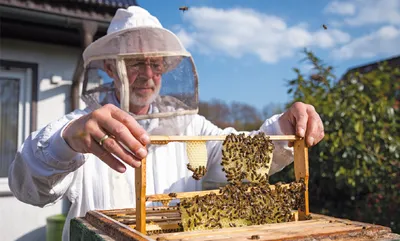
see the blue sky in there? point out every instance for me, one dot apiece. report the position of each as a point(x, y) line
point(245, 50)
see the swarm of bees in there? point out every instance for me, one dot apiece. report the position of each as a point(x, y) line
point(243, 203)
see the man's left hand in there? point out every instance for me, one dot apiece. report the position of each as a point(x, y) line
point(302, 120)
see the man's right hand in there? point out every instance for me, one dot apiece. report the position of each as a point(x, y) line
point(84, 134)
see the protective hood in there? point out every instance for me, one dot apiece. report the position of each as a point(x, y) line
point(143, 64)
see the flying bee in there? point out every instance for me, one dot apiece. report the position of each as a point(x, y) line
point(184, 8)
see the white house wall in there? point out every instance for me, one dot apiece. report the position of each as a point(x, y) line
point(53, 60)
point(18, 220)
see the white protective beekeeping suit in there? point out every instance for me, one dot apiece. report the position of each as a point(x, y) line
point(46, 169)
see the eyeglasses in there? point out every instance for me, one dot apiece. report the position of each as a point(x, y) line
point(156, 66)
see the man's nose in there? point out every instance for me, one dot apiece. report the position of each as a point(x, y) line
point(146, 72)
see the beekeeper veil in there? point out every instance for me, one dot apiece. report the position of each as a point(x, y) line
point(138, 64)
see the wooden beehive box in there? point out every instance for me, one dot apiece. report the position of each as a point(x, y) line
point(143, 223)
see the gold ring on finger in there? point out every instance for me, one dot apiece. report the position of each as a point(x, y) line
point(105, 137)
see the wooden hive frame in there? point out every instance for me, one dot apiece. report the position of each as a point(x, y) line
point(300, 169)
point(130, 224)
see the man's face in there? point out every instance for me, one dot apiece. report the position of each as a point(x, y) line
point(144, 77)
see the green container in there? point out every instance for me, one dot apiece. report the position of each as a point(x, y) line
point(54, 227)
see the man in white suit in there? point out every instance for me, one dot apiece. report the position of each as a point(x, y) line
point(89, 155)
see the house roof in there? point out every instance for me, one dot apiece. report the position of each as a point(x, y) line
point(365, 68)
point(97, 10)
point(108, 3)
point(56, 21)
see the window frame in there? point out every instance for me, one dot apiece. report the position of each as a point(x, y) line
point(30, 69)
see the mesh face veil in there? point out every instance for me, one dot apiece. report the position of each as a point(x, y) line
point(143, 66)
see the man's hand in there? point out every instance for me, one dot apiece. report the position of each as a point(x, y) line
point(302, 120)
point(87, 135)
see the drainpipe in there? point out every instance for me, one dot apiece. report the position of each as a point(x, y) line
point(87, 30)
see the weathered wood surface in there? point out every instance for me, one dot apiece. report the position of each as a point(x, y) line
point(81, 229)
point(114, 229)
point(319, 228)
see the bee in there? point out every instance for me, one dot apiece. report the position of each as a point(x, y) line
point(190, 168)
point(172, 194)
point(184, 8)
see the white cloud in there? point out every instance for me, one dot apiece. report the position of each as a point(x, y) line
point(185, 38)
point(366, 12)
point(342, 8)
point(239, 31)
point(384, 41)
point(380, 17)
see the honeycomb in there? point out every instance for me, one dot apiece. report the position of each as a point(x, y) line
point(197, 156)
point(197, 153)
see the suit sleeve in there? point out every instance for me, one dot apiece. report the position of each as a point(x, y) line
point(44, 166)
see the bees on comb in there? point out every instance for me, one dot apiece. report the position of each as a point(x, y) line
point(247, 157)
point(242, 204)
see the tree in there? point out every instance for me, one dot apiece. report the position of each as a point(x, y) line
point(217, 111)
point(272, 109)
point(238, 115)
point(354, 171)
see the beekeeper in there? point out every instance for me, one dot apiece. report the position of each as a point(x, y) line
point(139, 81)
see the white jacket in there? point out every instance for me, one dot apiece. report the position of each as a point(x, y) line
point(46, 169)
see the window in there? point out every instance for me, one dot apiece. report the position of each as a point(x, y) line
point(16, 122)
point(9, 103)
